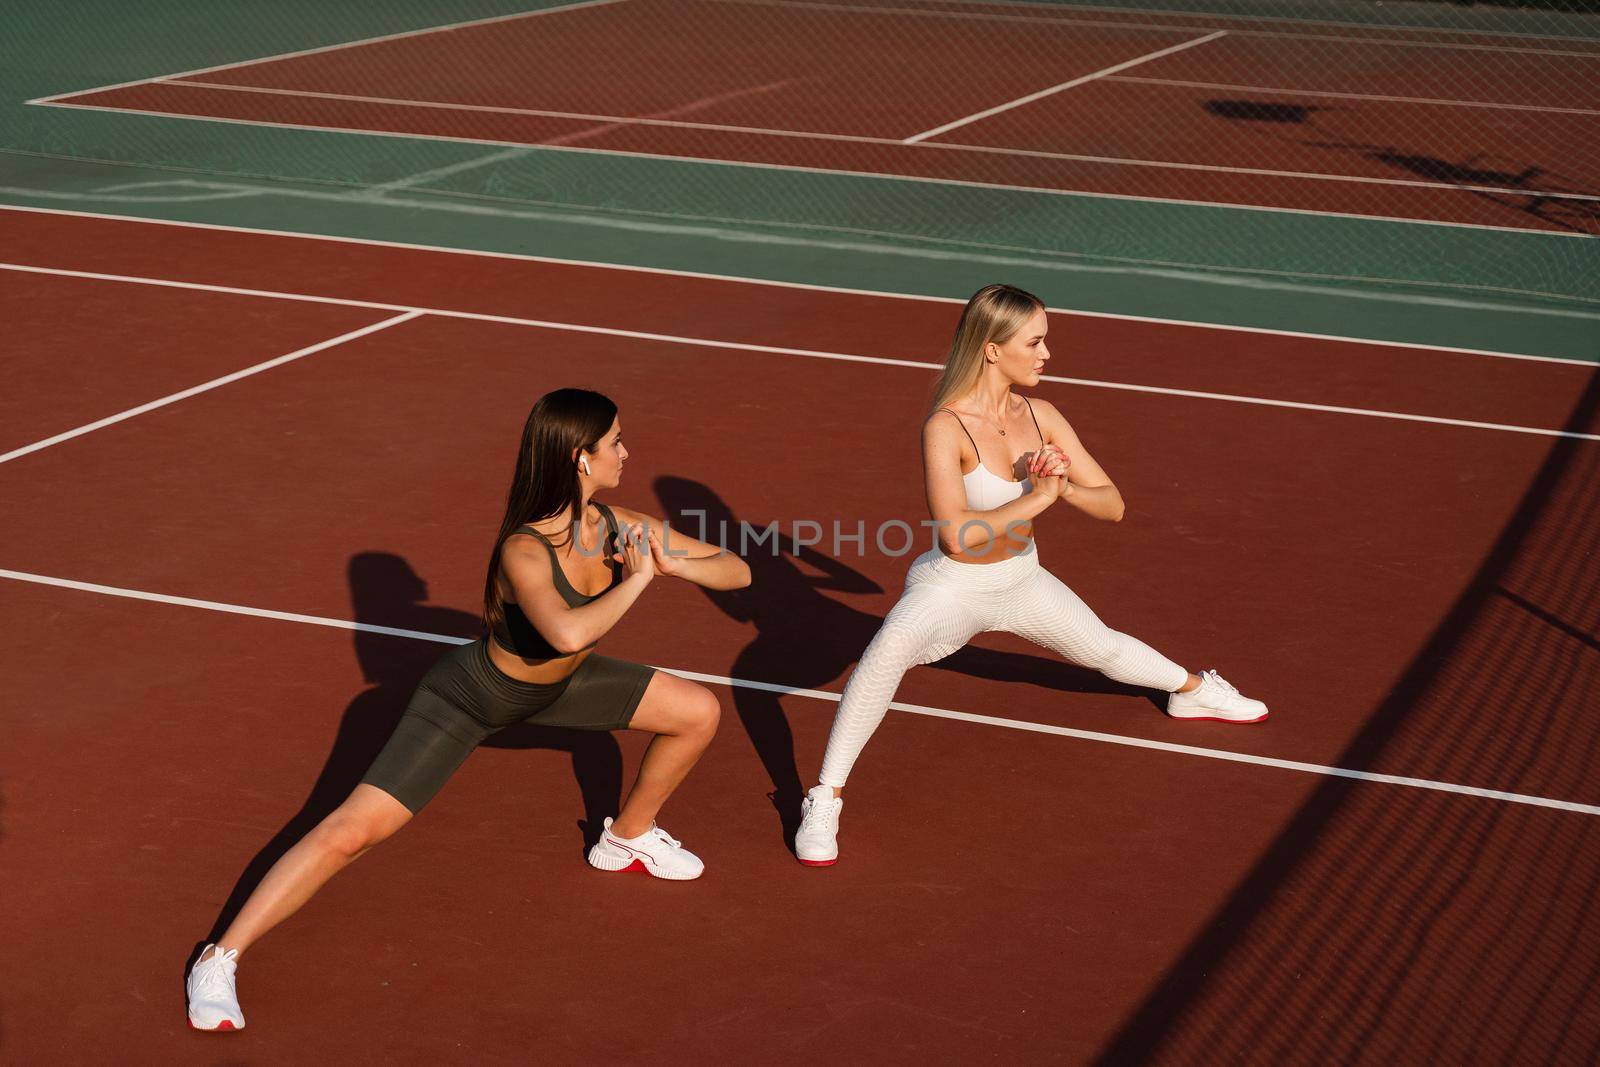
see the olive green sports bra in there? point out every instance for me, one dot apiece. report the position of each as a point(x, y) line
point(516, 634)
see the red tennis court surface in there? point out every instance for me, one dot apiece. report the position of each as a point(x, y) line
point(1255, 114)
point(1004, 893)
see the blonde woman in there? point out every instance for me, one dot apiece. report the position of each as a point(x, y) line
point(993, 461)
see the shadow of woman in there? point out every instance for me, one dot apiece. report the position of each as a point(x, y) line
point(806, 640)
point(385, 591)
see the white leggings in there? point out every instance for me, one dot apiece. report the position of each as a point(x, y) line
point(945, 603)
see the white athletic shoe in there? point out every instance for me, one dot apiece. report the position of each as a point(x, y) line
point(816, 843)
point(654, 852)
point(213, 1001)
point(1215, 699)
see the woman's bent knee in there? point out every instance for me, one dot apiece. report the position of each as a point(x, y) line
point(675, 706)
point(703, 712)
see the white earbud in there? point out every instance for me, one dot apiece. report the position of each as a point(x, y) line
point(583, 461)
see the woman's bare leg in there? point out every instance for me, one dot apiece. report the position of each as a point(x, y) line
point(683, 716)
point(367, 817)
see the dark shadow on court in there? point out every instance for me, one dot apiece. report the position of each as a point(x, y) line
point(1260, 111)
point(385, 591)
point(807, 640)
point(1516, 185)
point(1370, 928)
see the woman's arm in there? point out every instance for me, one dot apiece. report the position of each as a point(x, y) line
point(961, 529)
point(1088, 487)
point(680, 556)
point(570, 629)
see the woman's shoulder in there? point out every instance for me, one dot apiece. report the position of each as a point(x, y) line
point(526, 554)
point(1044, 409)
point(945, 439)
point(942, 420)
point(537, 529)
point(941, 429)
point(1032, 400)
point(536, 536)
point(526, 546)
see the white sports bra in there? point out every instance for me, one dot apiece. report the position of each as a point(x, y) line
point(986, 490)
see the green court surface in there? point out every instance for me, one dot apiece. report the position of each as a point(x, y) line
point(1422, 282)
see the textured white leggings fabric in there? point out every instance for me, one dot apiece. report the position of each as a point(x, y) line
point(945, 604)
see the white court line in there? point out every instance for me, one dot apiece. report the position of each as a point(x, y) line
point(422, 177)
point(852, 241)
point(1265, 172)
point(817, 5)
point(853, 138)
point(331, 48)
point(877, 10)
point(669, 272)
point(1356, 96)
point(533, 112)
point(822, 694)
point(764, 131)
point(410, 181)
point(860, 9)
point(1333, 409)
point(1042, 93)
point(1296, 21)
point(207, 386)
point(806, 353)
point(850, 173)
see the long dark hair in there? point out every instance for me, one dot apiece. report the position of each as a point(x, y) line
point(545, 480)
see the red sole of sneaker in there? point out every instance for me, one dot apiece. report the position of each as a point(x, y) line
point(819, 863)
point(639, 867)
point(1218, 718)
point(221, 1027)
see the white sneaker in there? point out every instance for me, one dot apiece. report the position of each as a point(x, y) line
point(654, 852)
point(213, 1001)
point(816, 843)
point(1215, 699)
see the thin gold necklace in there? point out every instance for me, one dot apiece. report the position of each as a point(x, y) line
point(997, 426)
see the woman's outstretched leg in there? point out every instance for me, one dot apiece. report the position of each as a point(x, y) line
point(1048, 613)
point(369, 816)
point(416, 761)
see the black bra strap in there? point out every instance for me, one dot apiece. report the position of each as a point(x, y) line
point(1036, 429)
point(605, 513)
point(612, 542)
point(611, 519)
point(530, 530)
point(555, 557)
point(557, 575)
point(609, 546)
point(968, 433)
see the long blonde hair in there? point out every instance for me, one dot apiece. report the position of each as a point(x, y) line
point(995, 313)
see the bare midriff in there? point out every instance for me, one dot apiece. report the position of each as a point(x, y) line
point(543, 671)
point(1006, 544)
